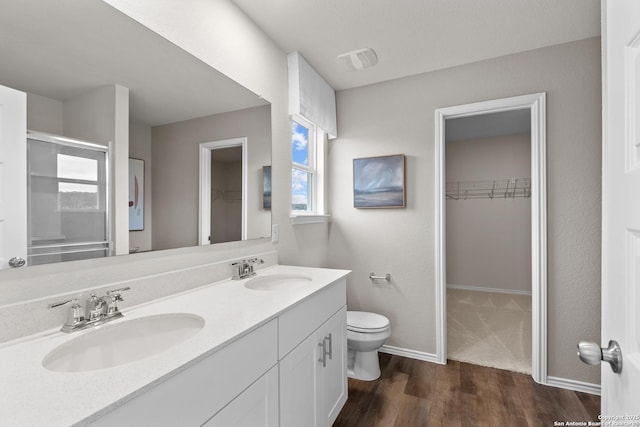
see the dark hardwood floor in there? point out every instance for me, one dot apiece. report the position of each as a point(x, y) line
point(412, 393)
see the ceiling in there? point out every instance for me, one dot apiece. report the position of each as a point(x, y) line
point(63, 48)
point(417, 36)
point(488, 125)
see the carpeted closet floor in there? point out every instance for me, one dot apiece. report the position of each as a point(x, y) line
point(489, 329)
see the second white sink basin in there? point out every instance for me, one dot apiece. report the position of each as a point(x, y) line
point(116, 344)
point(278, 282)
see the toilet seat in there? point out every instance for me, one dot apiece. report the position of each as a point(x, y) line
point(365, 322)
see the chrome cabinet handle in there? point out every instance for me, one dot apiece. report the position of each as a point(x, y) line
point(330, 339)
point(323, 359)
point(591, 354)
point(16, 262)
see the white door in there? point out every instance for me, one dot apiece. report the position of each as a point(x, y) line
point(621, 204)
point(13, 177)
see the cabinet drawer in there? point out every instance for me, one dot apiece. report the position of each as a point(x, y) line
point(195, 394)
point(300, 321)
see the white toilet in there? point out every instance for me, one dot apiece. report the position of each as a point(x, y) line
point(366, 332)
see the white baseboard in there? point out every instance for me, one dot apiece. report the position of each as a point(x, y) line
point(574, 385)
point(412, 354)
point(485, 289)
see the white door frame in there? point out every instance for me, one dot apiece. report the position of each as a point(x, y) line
point(204, 218)
point(537, 104)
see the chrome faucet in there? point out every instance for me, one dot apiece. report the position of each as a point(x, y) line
point(95, 312)
point(244, 268)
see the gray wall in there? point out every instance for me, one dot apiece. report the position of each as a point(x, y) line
point(175, 150)
point(45, 114)
point(398, 117)
point(488, 241)
point(140, 148)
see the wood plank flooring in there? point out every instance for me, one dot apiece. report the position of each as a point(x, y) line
point(413, 393)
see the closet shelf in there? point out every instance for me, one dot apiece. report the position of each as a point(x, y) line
point(509, 188)
point(233, 195)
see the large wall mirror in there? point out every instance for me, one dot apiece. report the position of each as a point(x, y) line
point(66, 55)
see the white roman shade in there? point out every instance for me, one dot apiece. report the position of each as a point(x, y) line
point(310, 96)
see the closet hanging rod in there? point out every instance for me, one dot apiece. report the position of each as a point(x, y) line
point(506, 188)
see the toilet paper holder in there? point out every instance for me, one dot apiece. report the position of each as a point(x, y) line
point(387, 277)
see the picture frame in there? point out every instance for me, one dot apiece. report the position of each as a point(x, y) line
point(136, 194)
point(379, 182)
point(266, 187)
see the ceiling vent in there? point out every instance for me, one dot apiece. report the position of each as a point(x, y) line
point(357, 60)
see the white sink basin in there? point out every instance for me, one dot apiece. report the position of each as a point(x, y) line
point(116, 344)
point(278, 282)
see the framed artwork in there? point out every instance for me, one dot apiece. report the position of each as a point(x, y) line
point(379, 182)
point(136, 195)
point(266, 187)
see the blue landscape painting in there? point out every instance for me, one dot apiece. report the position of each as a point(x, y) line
point(378, 182)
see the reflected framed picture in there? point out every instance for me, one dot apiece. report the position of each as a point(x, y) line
point(266, 187)
point(379, 182)
point(136, 195)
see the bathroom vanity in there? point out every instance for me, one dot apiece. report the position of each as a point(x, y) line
point(271, 352)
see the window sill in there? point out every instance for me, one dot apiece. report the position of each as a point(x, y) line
point(298, 219)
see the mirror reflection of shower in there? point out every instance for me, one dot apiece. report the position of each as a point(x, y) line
point(68, 214)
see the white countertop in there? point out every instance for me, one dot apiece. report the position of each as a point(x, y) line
point(31, 395)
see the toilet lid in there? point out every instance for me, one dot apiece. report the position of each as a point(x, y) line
point(365, 320)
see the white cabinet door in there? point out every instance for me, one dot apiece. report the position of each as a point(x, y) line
point(332, 379)
point(298, 390)
point(256, 406)
point(13, 175)
point(313, 377)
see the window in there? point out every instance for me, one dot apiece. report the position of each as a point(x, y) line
point(307, 164)
point(77, 183)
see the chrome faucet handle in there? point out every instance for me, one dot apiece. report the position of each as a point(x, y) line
point(95, 307)
point(255, 261)
point(75, 315)
point(112, 309)
point(58, 304)
point(238, 269)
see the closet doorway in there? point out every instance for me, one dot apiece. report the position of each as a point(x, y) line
point(502, 283)
point(223, 191)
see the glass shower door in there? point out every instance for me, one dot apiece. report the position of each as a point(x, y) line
point(68, 205)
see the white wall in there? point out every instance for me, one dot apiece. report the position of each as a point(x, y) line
point(488, 241)
point(398, 117)
point(140, 148)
